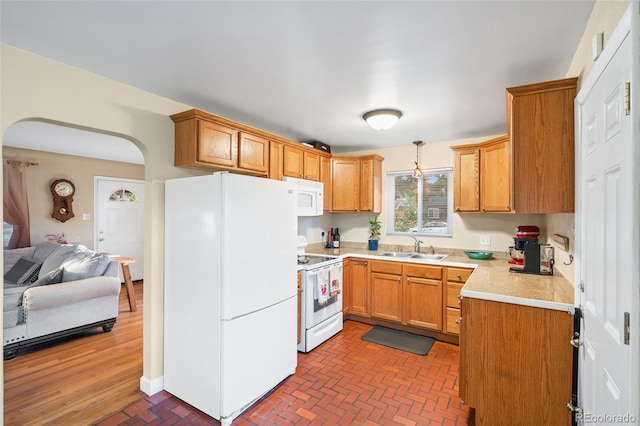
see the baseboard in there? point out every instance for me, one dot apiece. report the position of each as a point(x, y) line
point(151, 387)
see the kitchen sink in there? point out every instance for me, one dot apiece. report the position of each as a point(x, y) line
point(434, 257)
point(428, 256)
point(396, 254)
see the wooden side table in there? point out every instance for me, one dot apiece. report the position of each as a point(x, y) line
point(125, 262)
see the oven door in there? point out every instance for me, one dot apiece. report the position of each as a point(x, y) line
point(322, 293)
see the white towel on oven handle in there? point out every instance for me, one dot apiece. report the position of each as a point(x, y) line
point(335, 280)
point(321, 287)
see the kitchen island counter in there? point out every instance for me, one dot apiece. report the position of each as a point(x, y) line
point(491, 280)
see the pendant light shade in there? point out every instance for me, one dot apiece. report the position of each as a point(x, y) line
point(417, 173)
point(382, 119)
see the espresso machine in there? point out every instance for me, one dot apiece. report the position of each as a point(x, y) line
point(528, 256)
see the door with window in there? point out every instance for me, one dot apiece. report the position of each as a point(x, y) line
point(119, 220)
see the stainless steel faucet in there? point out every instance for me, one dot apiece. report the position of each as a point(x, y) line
point(416, 245)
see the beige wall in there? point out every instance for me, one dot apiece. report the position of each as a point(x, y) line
point(604, 19)
point(79, 170)
point(35, 87)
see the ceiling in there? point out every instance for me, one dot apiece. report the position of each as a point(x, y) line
point(308, 70)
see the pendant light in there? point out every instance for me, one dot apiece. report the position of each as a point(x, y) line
point(382, 119)
point(417, 173)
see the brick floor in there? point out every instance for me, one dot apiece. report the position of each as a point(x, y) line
point(344, 381)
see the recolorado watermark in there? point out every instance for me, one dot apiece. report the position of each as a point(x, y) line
point(607, 418)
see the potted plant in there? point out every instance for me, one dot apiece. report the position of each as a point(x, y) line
point(374, 232)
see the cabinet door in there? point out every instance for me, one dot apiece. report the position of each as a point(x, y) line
point(346, 182)
point(346, 287)
point(386, 296)
point(370, 185)
point(293, 162)
point(496, 177)
point(424, 303)
point(325, 178)
point(217, 144)
point(359, 287)
point(253, 153)
point(311, 166)
point(275, 160)
point(466, 180)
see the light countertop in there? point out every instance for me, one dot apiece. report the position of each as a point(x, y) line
point(491, 280)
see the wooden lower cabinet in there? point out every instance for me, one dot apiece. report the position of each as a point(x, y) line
point(423, 307)
point(386, 290)
point(515, 363)
point(456, 277)
point(358, 282)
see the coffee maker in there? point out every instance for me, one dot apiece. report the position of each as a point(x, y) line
point(528, 256)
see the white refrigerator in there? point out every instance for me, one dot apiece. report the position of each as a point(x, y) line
point(230, 320)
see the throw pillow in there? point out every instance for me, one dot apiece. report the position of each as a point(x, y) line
point(24, 271)
point(51, 277)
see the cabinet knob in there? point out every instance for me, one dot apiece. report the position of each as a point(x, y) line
point(483, 210)
point(508, 207)
point(399, 280)
point(408, 280)
point(459, 277)
point(458, 209)
point(458, 321)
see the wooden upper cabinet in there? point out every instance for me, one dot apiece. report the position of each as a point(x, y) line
point(276, 160)
point(541, 126)
point(217, 144)
point(495, 176)
point(345, 183)
point(370, 184)
point(208, 142)
point(531, 169)
point(466, 179)
point(357, 183)
point(253, 153)
point(293, 163)
point(301, 163)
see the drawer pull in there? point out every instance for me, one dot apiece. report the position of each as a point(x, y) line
point(458, 321)
point(459, 277)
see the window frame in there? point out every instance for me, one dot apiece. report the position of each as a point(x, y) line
point(390, 203)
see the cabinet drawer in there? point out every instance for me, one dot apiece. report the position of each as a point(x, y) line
point(453, 291)
point(459, 275)
point(394, 268)
point(453, 315)
point(422, 271)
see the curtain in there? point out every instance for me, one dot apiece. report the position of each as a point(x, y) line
point(16, 206)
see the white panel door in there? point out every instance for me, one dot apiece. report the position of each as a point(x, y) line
point(607, 250)
point(119, 218)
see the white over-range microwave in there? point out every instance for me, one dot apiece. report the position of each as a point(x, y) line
point(309, 198)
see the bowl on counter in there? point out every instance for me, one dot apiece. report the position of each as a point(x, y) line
point(479, 255)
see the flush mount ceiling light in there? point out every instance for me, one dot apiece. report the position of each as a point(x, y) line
point(417, 173)
point(382, 119)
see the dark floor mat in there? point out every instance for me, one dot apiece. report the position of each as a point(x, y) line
point(402, 340)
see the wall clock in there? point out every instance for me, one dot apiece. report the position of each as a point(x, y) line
point(62, 191)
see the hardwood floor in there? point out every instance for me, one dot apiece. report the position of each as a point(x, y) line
point(81, 379)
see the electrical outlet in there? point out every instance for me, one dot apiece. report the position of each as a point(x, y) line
point(485, 240)
point(86, 216)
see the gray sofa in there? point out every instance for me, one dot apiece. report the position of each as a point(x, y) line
point(54, 290)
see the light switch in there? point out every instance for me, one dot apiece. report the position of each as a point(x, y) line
point(86, 216)
point(596, 45)
point(485, 240)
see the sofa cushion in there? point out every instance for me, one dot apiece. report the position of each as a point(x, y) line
point(51, 277)
point(24, 271)
point(57, 257)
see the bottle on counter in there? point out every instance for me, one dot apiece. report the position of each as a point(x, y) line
point(336, 239)
point(330, 239)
